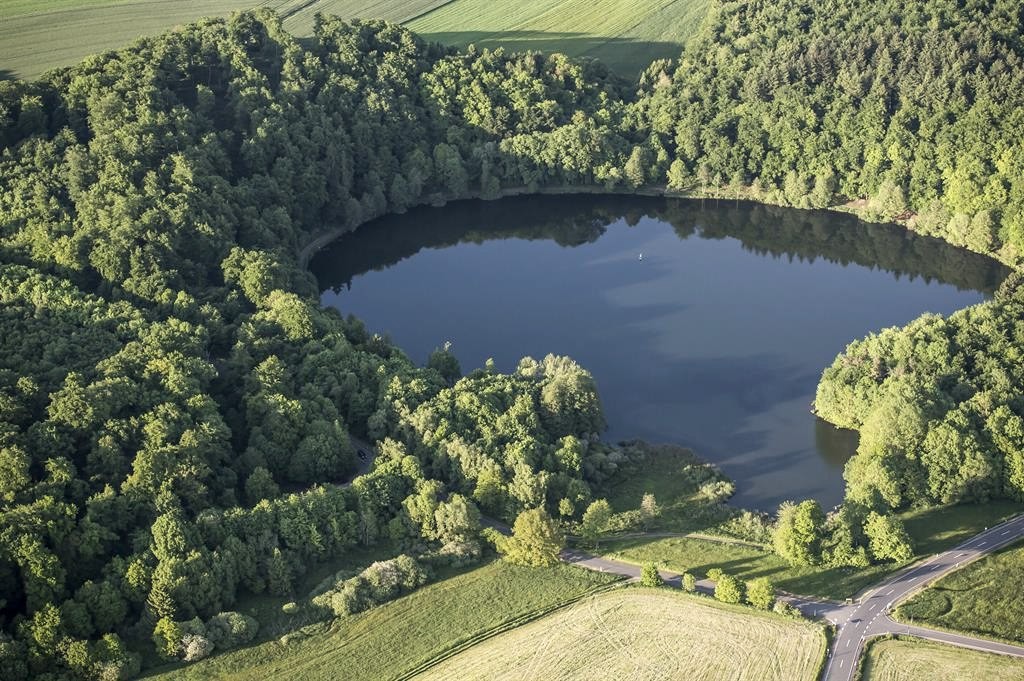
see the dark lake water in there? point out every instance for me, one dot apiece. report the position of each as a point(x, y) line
point(714, 339)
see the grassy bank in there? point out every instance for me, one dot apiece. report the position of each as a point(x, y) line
point(916, 660)
point(390, 640)
point(932, 530)
point(982, 598)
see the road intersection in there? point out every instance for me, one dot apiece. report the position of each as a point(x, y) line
point(866, 617)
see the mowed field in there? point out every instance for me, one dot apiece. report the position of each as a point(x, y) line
point(913, 660)
point(38, 35)
point(636, 634)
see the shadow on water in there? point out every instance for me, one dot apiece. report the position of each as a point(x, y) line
point(574, 220)
point(713, 341)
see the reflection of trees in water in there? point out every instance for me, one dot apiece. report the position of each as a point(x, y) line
point(575, 220)
point(836, 445)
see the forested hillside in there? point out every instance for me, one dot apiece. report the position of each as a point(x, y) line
point(175, 407)
point(170, 387)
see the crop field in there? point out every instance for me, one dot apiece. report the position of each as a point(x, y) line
point(47, 35)
point(625, 34)
point(395, 638)
point(932, 530)
point(915, 660)
point(38, 35)
point(637, 633)
point(983, 598)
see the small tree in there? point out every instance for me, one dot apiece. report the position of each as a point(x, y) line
point(635, 169)
point(536, 539)
point(715, 574)
point(798, 533)
point(167, 636)
point(728, 589)
point(649, 575)
point(649, 509)
point(595, 520)
point(689, 582)
point(761, 593)
point(678, 177)
point(887, 538)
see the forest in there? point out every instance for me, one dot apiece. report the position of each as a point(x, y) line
point(176, 409)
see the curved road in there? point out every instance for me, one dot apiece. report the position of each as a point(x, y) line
point(868, 616)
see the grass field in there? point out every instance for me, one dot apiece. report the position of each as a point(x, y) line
point(932, 530)
point(625, 34)
point(674, 476)
point(637, 633)
point(393, 639)
point(37, 35)
point(983, 598)
point(915, 660)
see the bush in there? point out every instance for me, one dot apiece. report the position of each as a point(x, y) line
point(381, 582)
point(784, 608)
point(291, 608)
point(649, 575)
point(729, 589)
point(231, 629)
point(755, 527)
point(195, 647)
point(715, 574)
point(761, 593)
point(460, 553)
point(689, 582)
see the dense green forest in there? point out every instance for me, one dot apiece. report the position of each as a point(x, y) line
point(175, 407)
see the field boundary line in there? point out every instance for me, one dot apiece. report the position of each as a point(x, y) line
point(426, 12)
point(502, 628)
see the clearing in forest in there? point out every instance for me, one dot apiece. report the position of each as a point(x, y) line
point(636, 633)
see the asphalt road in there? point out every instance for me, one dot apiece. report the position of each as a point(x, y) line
point(869, 617)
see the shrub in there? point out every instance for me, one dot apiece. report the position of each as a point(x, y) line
point(689, 582)
point(460, 553)
point(784, 608)
point(231, 629)
point(761, 593)
point(649, 575)
point(381, 582)
point(729, 589)
point(715, 574)
point(195, 647)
